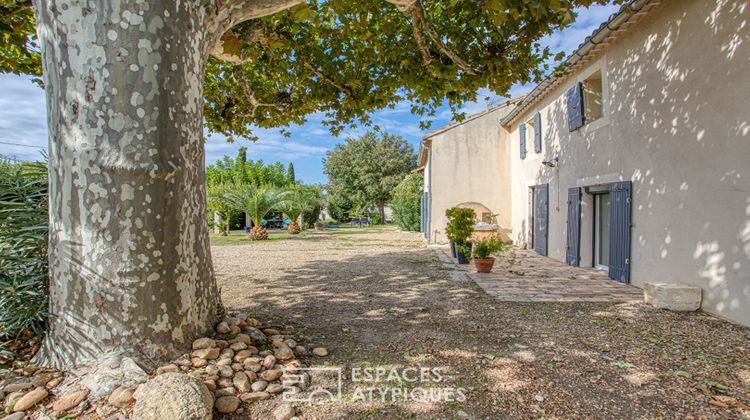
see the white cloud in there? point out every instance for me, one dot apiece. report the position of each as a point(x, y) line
point(23, 118)
point(271, 146)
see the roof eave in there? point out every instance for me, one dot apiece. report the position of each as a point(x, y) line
point(614, 24)
point(472, 117)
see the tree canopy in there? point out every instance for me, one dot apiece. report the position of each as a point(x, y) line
point(19, 53)
point(344, 59)
point(366, 169)
point(242, 170)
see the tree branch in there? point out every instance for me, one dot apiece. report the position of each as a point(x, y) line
point(420, 23)
point(343, 88)
point(435, 37)
point(18, 7)
point(232, 12)
point(255, 103)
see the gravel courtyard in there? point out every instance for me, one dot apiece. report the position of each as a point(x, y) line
point(381, 299)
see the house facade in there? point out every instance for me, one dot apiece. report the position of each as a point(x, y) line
point(636, 159)
point(465, 163)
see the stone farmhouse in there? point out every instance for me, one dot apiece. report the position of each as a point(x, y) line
point(634, 159)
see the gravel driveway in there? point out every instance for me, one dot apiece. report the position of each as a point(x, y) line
point(382, 299)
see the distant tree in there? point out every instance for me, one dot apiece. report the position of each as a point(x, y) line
point(315, 205)
point(298, 200)
point(339, 206)
point(290, 174)
point(256, 202)
point(365, 170)
point(218, 204)
point(242, 170)
point(240, 166)
point(406, 202)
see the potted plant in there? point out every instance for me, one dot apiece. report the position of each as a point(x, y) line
point(460, 227)
point(482, 250)
point(320, 226)
point(449, 232)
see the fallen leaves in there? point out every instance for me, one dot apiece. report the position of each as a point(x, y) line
point(723, 401)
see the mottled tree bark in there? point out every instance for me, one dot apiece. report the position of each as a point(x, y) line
point(130, 266)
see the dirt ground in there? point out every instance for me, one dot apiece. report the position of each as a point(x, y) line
point(381, 299)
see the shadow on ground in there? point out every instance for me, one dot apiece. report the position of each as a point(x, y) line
point(387, 303)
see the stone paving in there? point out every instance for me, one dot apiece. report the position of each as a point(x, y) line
point(534, 278)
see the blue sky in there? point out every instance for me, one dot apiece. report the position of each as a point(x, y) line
point(23, 120)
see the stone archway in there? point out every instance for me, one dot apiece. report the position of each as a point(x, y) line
point(479, 208)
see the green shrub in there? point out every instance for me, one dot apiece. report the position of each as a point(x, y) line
point(460, 224)
point(406, 201)
point(374, 218)
point(483, 248)
point(24, 283)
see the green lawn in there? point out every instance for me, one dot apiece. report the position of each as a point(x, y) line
point(239, 237)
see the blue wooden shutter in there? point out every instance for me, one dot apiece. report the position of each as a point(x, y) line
point(541, 218)
point(573, 250)
point(619, 228)
point(522, 135)
point(422, 213)
point(538, 132)
point(428, 210)
point(575, 107)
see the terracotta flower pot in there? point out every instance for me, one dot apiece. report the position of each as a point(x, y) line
point(484, 265)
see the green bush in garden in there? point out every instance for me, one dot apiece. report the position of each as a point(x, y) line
point(24, 283)
point(484, 248)
point(460, 224)
point(406, 202)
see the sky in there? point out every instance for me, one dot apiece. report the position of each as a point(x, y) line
point(23, 120)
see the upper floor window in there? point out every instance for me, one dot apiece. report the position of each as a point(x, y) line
point(592, 97)
point(585, 101)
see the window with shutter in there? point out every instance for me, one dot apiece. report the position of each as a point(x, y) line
point(538, 132)
point(592, 97)
point(575, 107)
point(522, 136)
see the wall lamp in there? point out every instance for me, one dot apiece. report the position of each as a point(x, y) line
point(550, 163)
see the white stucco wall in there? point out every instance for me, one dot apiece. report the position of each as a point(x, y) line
point(677, 123)
point(469, 164)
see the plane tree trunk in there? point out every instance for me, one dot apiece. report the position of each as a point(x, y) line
point(130, 266)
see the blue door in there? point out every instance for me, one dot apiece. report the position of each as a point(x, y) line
point(541, 215)
point(619, 224)
point(573, 249)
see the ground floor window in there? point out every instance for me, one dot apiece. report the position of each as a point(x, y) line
point(601, 230)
